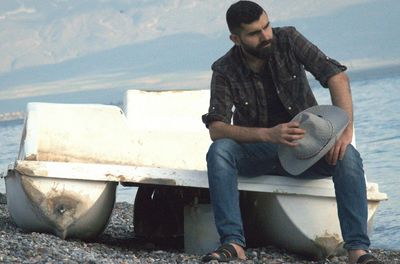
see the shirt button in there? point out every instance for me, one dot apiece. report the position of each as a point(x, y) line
point(290, 108)
point(246, 103)
point(294, 76)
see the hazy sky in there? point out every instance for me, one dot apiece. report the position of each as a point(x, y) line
point(51, 31)
point(56, 46)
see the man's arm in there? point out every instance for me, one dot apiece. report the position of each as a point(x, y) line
point(339, 88)
point(281, 134)
point(331, 74)
point(220, 112)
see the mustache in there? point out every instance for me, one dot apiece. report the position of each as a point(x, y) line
point(264, 43)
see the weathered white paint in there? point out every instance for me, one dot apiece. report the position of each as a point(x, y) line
point(66, 207)
point(179, 177)
point(102, 134)
point(90, 134)
point(169, 126)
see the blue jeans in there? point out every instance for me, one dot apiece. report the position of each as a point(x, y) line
point(226, 159)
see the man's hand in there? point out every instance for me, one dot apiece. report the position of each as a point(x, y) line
point(286, 133)
point(338, 150)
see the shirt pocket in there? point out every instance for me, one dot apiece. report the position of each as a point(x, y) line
point(245, 113)
point(242, 104)
point(289, 74)
point(289, 83)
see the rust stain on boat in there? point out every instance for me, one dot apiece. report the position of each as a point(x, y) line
point(158, 181)
point(144, 180)
point(63, 156)
point(59, 208)
point(30, 171)
point(329, 243)
point(31, 157)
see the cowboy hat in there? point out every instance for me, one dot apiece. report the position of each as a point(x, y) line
point(323, 125)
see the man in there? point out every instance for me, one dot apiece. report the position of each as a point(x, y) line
point(261, 84)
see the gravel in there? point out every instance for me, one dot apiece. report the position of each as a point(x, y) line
point(118, 245)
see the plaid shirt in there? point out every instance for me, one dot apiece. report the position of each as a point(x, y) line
point(236, 90)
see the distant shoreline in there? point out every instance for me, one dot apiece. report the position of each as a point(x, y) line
point(104, 96)
point(11, 116)
point(388, 71)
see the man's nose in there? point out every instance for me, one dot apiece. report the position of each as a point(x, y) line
point(265, 35)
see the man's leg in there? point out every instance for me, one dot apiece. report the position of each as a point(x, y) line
point(351, 197)
point(225, 160)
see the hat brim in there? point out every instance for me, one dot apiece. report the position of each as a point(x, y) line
point(339, 120)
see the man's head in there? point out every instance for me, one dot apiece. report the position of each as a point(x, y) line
point(240, 12)
point(250, 28)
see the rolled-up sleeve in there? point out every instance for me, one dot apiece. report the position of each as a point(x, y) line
point(314, 60)
point(221, 101)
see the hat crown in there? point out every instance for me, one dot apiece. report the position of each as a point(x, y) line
point(319, 132)
point(323, 125)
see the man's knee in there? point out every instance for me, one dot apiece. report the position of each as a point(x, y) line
point(352, 157)
point(351, 166)
point(222, 148)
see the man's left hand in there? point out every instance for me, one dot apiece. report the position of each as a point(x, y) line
point(339, 149)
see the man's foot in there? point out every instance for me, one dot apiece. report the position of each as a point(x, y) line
point(239, 251)
point(363, 257)
point(226, 253)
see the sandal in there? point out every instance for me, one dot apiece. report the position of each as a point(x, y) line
point(368, 259)
point(224, 253)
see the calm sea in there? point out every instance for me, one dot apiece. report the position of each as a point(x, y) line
point(378, 139)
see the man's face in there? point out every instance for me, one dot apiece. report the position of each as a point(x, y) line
point(256, 38)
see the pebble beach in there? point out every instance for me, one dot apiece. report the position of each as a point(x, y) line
point(117, 244)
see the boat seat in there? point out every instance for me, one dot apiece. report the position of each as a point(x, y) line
point(159, 134)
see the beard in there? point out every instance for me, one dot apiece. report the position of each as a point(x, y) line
point(261, 51)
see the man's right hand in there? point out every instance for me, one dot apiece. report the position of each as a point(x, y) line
point(286, 133)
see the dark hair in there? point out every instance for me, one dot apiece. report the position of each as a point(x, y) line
point(242, 12)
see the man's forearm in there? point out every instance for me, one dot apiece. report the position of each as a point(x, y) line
point(220, 130)
point(339, 88)
point(341, 96)
point(285, 133)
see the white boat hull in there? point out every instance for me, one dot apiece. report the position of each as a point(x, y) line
point(64, 207)
point(307, 225)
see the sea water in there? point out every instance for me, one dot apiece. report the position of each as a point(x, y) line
point(377, 125)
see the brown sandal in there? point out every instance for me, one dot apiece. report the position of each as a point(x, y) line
point(368, 259)
point(224, 253)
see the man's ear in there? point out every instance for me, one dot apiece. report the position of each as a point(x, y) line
point(235, 39)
